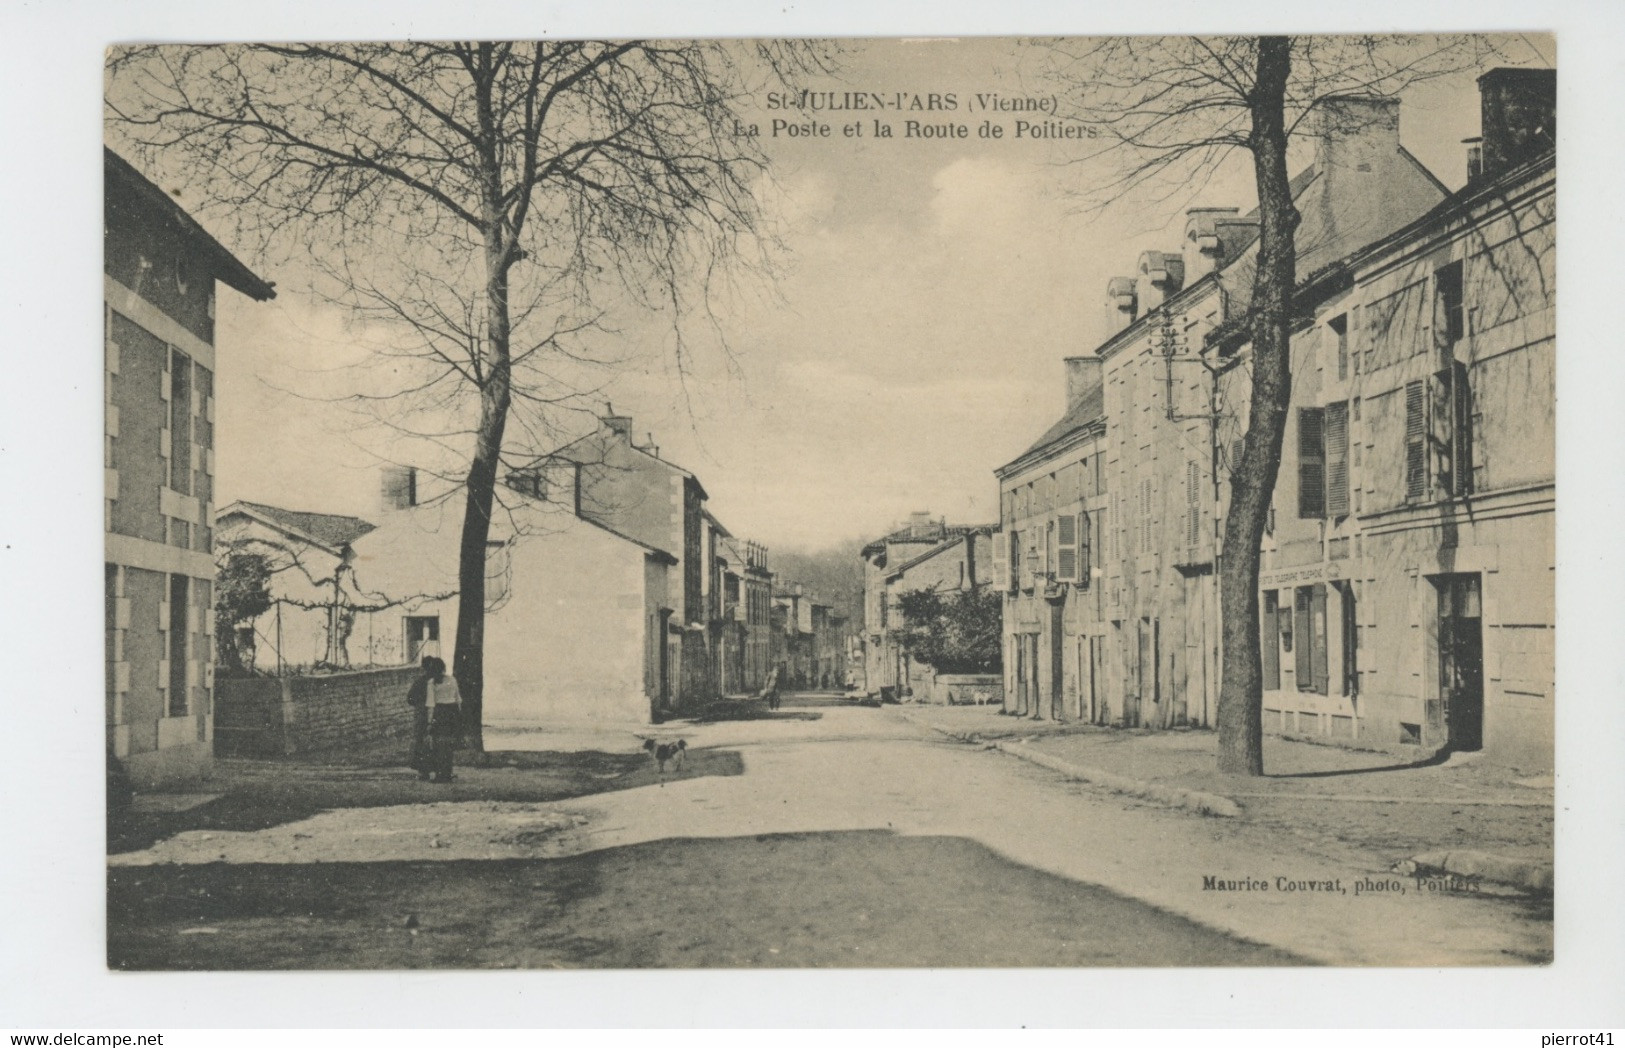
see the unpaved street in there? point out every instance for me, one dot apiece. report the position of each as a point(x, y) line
point(827, 834)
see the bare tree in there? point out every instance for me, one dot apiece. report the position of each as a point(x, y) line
point(495, 200)
point(1172, 110)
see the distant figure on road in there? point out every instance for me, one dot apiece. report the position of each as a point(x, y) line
point(417, 696)
point(772, 689)
point(445, 716)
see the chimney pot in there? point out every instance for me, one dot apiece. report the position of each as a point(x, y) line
point(1518, 111)
point(398, 487)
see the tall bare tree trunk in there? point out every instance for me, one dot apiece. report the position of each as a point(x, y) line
point(496, 394)
point(1241, 686)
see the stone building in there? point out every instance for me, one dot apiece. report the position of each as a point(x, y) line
point(1051, 498)
point(884, 669)
point(577, 622)
point(1168, 441)
point(159, 270)
point(1407, 585)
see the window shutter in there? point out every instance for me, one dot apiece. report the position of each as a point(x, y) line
point(1416, 456)
point(1303, 642)
point(1269, 641)
point(1085, 563)
point(1337, 459)
point(1461, 390)
point(1317, 611)
point(1001, 562)
point(1066, 546)
point(1193, 505)
point(1311, 462)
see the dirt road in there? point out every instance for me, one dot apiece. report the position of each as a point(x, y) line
point(824, 835)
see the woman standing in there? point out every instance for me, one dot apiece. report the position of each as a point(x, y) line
point(417, 696)
point(445, 712)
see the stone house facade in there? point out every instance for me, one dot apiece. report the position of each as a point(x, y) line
point(1407, 587)
point(1169, 442)
point(884, 670)
point(1046, 562)
point(159, 270)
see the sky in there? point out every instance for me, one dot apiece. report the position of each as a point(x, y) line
point(910, 344)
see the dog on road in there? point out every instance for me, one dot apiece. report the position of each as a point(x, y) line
point(665, 753)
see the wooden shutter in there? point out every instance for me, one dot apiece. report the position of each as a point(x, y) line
point(1317, 616)
point(1303, 645)
point(1085, 553)
point(1311, 462)
point(1337, 459)
point(1416, 454)
point(1001, 562)
point(1269, 641)
point(1066, 548)
point(1193, 505)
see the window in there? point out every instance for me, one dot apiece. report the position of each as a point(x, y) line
point(1349, 639)
point(1339, 326)
point(1269, 641)
point(422, 636)
point(1447, 301)
point(179, 593)
point(1439, 434)
point(180, 422)
point(1309, 661)
point(1015, 561)
point(1311, 462)
point(1050, 551)
point(497, 571)
point(1453, 429)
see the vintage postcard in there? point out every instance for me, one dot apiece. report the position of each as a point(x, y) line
point(861, 503)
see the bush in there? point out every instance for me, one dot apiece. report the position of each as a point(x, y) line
point(953, 633)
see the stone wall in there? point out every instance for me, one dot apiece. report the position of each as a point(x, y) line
point(269, 717)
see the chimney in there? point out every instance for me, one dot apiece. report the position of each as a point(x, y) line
point(1162, 274)
point(1082, 378)
point(1518, 110)
point(1204, 250)
point(1475, 159)
point(1121, 305)
point(620, 425)
point(1356, 159)
point(399, 487)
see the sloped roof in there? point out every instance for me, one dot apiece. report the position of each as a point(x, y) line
point(930, 531)
point(941, 547)
point(120, 173)
point(1090, 408)
point(325, 529)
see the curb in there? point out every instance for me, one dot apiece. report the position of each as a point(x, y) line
point(1529, 875)
point(1172, 796)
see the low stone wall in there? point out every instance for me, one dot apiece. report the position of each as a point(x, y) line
point(957, 689)
point(276, 717)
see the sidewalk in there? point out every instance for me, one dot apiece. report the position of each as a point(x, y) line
point(1463, 815)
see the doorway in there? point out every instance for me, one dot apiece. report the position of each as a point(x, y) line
point(1057, 661)
point(1461, 660)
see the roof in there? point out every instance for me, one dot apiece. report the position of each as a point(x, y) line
point(1089, 409)
point(941, 547)
point(931, 531)
point(655, 551)
point(228, 269)
point(331, 530)
point(1237, 330)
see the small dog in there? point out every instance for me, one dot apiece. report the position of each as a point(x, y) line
point(667, 753)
